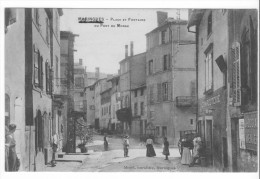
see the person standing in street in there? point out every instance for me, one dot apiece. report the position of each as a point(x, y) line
point(166, 151)
point(196, 150)
point(126, 146)
point(105, 143)
point(149, 147)
point(13, 161)
point(54, 148)
point(186, 155)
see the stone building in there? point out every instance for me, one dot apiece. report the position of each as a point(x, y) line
point(98, 111)
point(90, 104)
point(79, 86)
point(171, 75)
point(115, 105)
point(34, 33)
point(226, 56)
point(67, 87)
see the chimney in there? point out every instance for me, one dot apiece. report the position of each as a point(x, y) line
point(131, 48)
point(97, 73)
point(80, 61)
point(126, 51)
point(161, 17)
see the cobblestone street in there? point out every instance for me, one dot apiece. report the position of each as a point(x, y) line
point(113, 160)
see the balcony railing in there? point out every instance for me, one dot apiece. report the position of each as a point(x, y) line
point(184, 101)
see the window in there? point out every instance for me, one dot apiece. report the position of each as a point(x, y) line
point(135, 93)
point(166, 62)
point(157, 131)
point(81, 94)
point(135, 109)
point(152, 94)
point(209, 71)
point(10, 16)
point(165, 91)
point(142, 92)
point(47, 31)
point(47, 77)
point(210, 23)
point(57, 71)
point(36, 65)
point(246, 55)
point(79, 82)
point(38, 68)
point(191, 121)
point(150, 67)
point(163, 37)
point(164, 131)
point(142, 108)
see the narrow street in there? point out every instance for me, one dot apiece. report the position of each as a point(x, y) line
point(99, 160)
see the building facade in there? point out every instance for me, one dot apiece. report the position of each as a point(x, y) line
point(170, 72)
point(32, 103)
point(67, 87)
point(227, 84)
point(79, 81)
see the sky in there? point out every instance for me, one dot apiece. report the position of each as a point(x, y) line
point(104, 47)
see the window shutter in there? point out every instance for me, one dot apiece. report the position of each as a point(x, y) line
point(236, 77)
point(167, 36)
point(36, 65)
point(47, 77)
point(169, 91)
point(169, 61)
point(159, 92)
point(160, 38)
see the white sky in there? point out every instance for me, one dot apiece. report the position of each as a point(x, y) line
point(104, 47)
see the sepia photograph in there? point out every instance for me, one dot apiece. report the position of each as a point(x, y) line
point(130, 89)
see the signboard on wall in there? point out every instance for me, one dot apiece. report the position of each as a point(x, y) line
point(251, 130)
point(242, 142)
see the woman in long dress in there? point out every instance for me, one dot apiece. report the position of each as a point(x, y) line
point(149, 145)
point(12, 158)
point(166, 148)
point(186, 154)
point(105, 143)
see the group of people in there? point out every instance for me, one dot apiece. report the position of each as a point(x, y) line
point(186, 146)
point(150, 152)
point(12, 162)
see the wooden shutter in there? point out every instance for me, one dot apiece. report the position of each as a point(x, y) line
point(236, 76)
point(169, 91)
point(47, 76)
point(36, 65)
point(169, 61)
point(159, 92)
point(160, 37)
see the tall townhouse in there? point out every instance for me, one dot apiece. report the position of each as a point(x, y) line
point(67, 86)
point(29, 91)
point(170, 78)
point(105, 97)
point(137, 69)
point(115, 105)
point(79, 80)
point(98, 110)
point(226, 57)
point(90, 103)
point(124, 115)
point(15, 82)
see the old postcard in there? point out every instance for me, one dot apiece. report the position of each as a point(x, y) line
point(131, 89)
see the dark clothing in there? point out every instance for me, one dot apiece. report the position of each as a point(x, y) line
point(105, 144)
point(12, 159)
point(166, 148)
point(54, 150)
point(150, 150)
